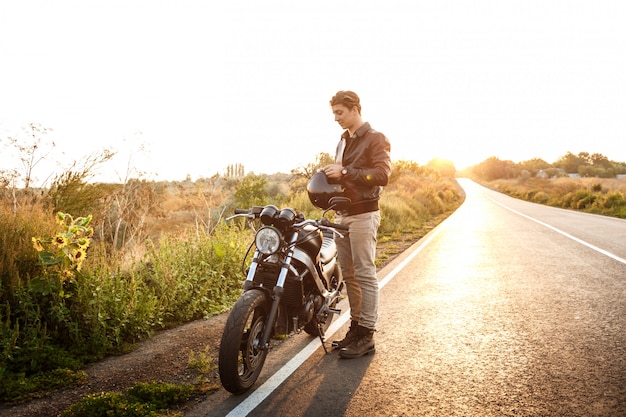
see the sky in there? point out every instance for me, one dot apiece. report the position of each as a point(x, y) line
point(186, 88)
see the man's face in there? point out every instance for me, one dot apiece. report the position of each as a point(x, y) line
point(347, 118)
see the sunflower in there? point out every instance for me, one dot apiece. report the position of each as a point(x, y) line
point(79, 255)
point(61, 240)
point(83, 243)
point(37, 244)
point(61, 218)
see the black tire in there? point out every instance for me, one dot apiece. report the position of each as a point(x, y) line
point(240, 359)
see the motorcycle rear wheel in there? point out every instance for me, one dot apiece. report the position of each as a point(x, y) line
point(240, 357)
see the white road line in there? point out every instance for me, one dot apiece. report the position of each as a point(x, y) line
point(261, 393)
point(567, 235)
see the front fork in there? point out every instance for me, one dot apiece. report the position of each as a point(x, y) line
point(276, 294)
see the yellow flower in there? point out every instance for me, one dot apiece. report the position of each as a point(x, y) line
point(61, 218)
point(79, 255)
point(83, 243)
point(61, 240)
point(37, 244)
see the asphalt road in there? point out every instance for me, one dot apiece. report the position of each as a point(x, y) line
point(506, 309)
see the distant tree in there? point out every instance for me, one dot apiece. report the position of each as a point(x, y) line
point(554, 172)
point(587, 171)
point(585, 158)
point(321, 159)
point(600, 161)
point(570, 162)
point(445, 167)
point(493, 168)
point(251, 192)
point(534, 165)
point(619, 167)
point(235, 171)
point(597, 172)
point(403, 167)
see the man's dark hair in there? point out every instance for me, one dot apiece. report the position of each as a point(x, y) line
point(347, 98)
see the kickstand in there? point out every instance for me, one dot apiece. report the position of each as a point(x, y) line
point(328, 312)
point(320, 333)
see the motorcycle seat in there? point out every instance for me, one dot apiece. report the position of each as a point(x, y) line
point(329, 248)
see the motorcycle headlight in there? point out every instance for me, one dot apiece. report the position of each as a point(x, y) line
point(267, 240)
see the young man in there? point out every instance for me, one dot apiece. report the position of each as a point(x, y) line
point(362, 165)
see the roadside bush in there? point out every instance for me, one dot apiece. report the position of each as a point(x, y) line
point(611, 204)
point(541, 198)
point(160, 395)
point(583, 199)
point(566, 200)
point(63, 321)
point(197, 276)
point(141, 400)
point(18, 386)
point(613, 199)
point(412, 199)
point(397, 216)
point(18, 260)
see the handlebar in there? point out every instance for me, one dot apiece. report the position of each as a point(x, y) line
point(326, 222)
point(323, 223)
point(250, 213)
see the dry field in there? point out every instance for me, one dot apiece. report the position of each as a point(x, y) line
point(604, 196)
point(563, 185)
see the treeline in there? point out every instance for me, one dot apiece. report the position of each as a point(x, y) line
point(583, 165)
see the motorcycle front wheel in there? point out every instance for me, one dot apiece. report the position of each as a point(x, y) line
point(241, 358)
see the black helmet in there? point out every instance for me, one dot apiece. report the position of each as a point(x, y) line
point(321, 190)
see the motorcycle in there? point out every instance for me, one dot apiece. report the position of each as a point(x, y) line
point(293, 283)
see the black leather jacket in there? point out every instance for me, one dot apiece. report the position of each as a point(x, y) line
point(368, 162)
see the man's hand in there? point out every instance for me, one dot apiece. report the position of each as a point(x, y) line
point(333, 171)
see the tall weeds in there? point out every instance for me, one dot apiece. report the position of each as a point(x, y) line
point(61, 324)
point(54, 326)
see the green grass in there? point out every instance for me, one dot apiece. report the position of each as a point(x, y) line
point(141, 400)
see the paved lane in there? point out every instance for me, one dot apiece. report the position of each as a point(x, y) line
point(504, 311)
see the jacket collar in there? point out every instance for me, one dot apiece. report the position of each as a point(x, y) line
point(361, 131)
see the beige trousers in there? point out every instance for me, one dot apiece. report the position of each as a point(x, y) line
point(357, 253)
